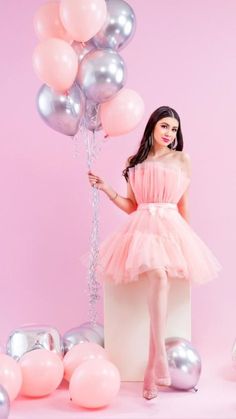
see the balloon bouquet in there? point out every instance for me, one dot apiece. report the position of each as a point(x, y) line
point(84, 75)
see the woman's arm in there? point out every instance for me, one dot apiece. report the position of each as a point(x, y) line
point(183, 204)
point(127, 204)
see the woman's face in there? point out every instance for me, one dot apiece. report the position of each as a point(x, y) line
point(165, 129)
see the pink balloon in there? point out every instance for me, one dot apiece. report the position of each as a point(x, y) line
point(10, 375)
point(95, 383)
point(122, 113)
point(47, 22)
point(55, 63)
point(80, 353)
point(42, 372)
point(83, 18)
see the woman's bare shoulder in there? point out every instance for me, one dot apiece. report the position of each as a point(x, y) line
point(186, 161)
point(182, 154)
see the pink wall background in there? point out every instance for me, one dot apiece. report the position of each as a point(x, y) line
point(182, 55)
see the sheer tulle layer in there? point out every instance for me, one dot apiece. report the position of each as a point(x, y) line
point(156, 237)
point(150, 241)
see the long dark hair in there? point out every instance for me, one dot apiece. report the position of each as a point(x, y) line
point(146, 142)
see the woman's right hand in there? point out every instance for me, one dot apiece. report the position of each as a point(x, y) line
point(96, 181)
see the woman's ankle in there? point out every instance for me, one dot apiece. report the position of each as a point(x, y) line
point(162, 367)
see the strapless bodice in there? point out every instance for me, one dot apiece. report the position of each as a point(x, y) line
point(158, 181)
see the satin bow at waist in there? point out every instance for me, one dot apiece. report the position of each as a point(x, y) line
point(153, 207)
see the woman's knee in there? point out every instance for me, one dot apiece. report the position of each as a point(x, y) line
point(158, 279)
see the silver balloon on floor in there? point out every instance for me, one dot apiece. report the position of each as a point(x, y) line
point(83, 333)
point(98, 327)
point(4, 403)
point(118, 28)
point(101, 74)
point(184, 363)
point(28, 338)
point(61, 112)
point(71, 338)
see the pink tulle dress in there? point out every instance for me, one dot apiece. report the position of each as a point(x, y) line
point(156, 235)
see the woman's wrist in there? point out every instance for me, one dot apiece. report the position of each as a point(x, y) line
point(112, 195)
point(112, 198)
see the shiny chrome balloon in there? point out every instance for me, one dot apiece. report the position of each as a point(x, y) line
point(119, 27)
point(71, 338)
point(92, 119)
point(82, 48)
point(98, 327)
point(4, 403)
point(61, 112)
point(83, 333)
point(184, 363)
point(101, 74)
point(28, 338)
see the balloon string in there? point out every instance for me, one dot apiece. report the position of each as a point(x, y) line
point(75, 140)
point(93, 284)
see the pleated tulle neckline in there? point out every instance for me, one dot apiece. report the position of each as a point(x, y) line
point(161, 163)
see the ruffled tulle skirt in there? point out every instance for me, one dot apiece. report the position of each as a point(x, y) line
point(149, 241)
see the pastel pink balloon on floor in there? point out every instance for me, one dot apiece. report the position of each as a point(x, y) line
point(83, 18)
point(42, 372)
point(81, 353)
point(47, 22)
point(122, 113)
point(95, 383)
point(55, 63)
point(10, 376)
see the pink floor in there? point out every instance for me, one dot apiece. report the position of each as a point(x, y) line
point(215, 398)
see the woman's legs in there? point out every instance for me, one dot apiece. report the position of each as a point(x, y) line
point(149, 377)
point(157, 366)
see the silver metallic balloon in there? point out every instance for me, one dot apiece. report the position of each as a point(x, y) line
point(91, 334)
point(4, 403)
point(82, 48)
point(118, 28)
point(98, 327)
point(92, 119)
point(28, 338)
point(71, 338)
point(61, 112)
point(83, 333)
point(184, 363)
point(101, 74)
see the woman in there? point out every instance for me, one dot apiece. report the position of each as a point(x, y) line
point(156, 243)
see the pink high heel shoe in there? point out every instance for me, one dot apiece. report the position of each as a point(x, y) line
point(150, 390)
point(150, 393)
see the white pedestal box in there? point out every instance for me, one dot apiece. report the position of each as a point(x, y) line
point(127, 322)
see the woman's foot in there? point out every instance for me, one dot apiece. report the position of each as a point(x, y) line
point(149, 386)
point(150, 393)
